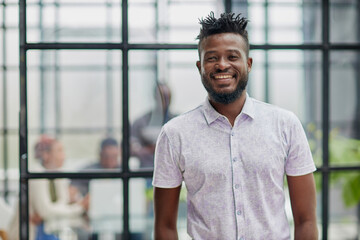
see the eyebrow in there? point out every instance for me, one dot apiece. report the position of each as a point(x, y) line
point(230, 51)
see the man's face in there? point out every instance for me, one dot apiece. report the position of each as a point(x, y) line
point(109, 157)
point(224, 66)
point(55, 157)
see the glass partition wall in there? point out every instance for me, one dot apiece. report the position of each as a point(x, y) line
point(97, 69)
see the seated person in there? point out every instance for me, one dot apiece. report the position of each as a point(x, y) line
point(109, 159)
point(49, 199)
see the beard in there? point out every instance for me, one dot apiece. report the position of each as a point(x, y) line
point(225, 97)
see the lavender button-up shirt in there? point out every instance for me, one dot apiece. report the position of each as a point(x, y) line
point(234, 175)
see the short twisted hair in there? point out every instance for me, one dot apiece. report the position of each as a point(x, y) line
point(43, 145)
point(227, 23)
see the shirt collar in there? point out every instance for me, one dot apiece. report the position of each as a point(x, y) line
point(211, 114)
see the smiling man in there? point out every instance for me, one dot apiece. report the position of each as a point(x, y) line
point(233, 153)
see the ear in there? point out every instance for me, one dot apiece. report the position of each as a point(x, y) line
point(249, 64)
point(198, 65)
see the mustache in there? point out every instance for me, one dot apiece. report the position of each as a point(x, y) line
point(222, 71)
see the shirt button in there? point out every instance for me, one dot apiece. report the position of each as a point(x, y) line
point(234, 159)
point(242, 238)
point(232, 134)
point(238, 212)
point(237, 186)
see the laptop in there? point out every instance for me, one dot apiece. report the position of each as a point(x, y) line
point(106, 205)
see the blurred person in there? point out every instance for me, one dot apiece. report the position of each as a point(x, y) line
point(49, 199)
point(233, 152)
point(146, 128)
point(109, 158)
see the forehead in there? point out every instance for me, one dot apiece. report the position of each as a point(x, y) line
point(110, 148)
point(223, 41)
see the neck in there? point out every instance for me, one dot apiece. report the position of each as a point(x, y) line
point(231, 110)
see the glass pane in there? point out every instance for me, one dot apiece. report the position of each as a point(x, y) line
point(153, 78)
point(13, 99)
point(141, 210)
point(294, 83)
point(12, 47)
point(82, 152)
point(1, 46)
point(100, 21)
point(13, 150)
point(282, 22)
point(344, 205)
point(58, 209)
point(1, 17)
point(12, 171)
point(72, 94)
point(1, 155)
point(344, 108)
point(344, 15)
point(164, 22)
point(2, 100)
point(12, 15)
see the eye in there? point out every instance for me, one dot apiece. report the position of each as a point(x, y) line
point(211, 59)
point(233, 57)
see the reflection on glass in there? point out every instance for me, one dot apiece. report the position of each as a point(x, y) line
point(142, 213)
point(153, 100)
point(60, 22)
point(344, 133)
point(344, 205)
point(344, 16)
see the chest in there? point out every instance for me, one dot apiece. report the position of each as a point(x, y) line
point(215, 159)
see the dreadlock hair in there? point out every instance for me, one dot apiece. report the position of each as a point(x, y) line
point(227, 23)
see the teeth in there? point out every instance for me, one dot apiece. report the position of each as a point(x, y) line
point(222, 76)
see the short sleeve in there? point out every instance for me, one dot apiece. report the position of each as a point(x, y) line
point(299, 159)
point(167, 173)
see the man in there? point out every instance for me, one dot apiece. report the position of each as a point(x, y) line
point(233, 152)
point(109, 159)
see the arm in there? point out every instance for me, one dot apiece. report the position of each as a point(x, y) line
point(303, 203)
point(166, 202)
point(41, 202)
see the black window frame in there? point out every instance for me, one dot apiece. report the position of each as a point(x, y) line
point(325, 46)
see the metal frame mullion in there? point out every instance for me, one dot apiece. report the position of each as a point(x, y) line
point(228, 5)
point(170, 46)
point(24, 183)
point(125, 112)
point(87, 175)
point(325, 117)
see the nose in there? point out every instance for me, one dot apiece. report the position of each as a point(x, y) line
point(222, 64)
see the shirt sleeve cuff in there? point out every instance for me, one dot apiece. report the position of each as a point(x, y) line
point(301, 171)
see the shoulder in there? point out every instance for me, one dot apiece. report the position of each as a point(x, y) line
point(185, 120)
point(268, 112)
